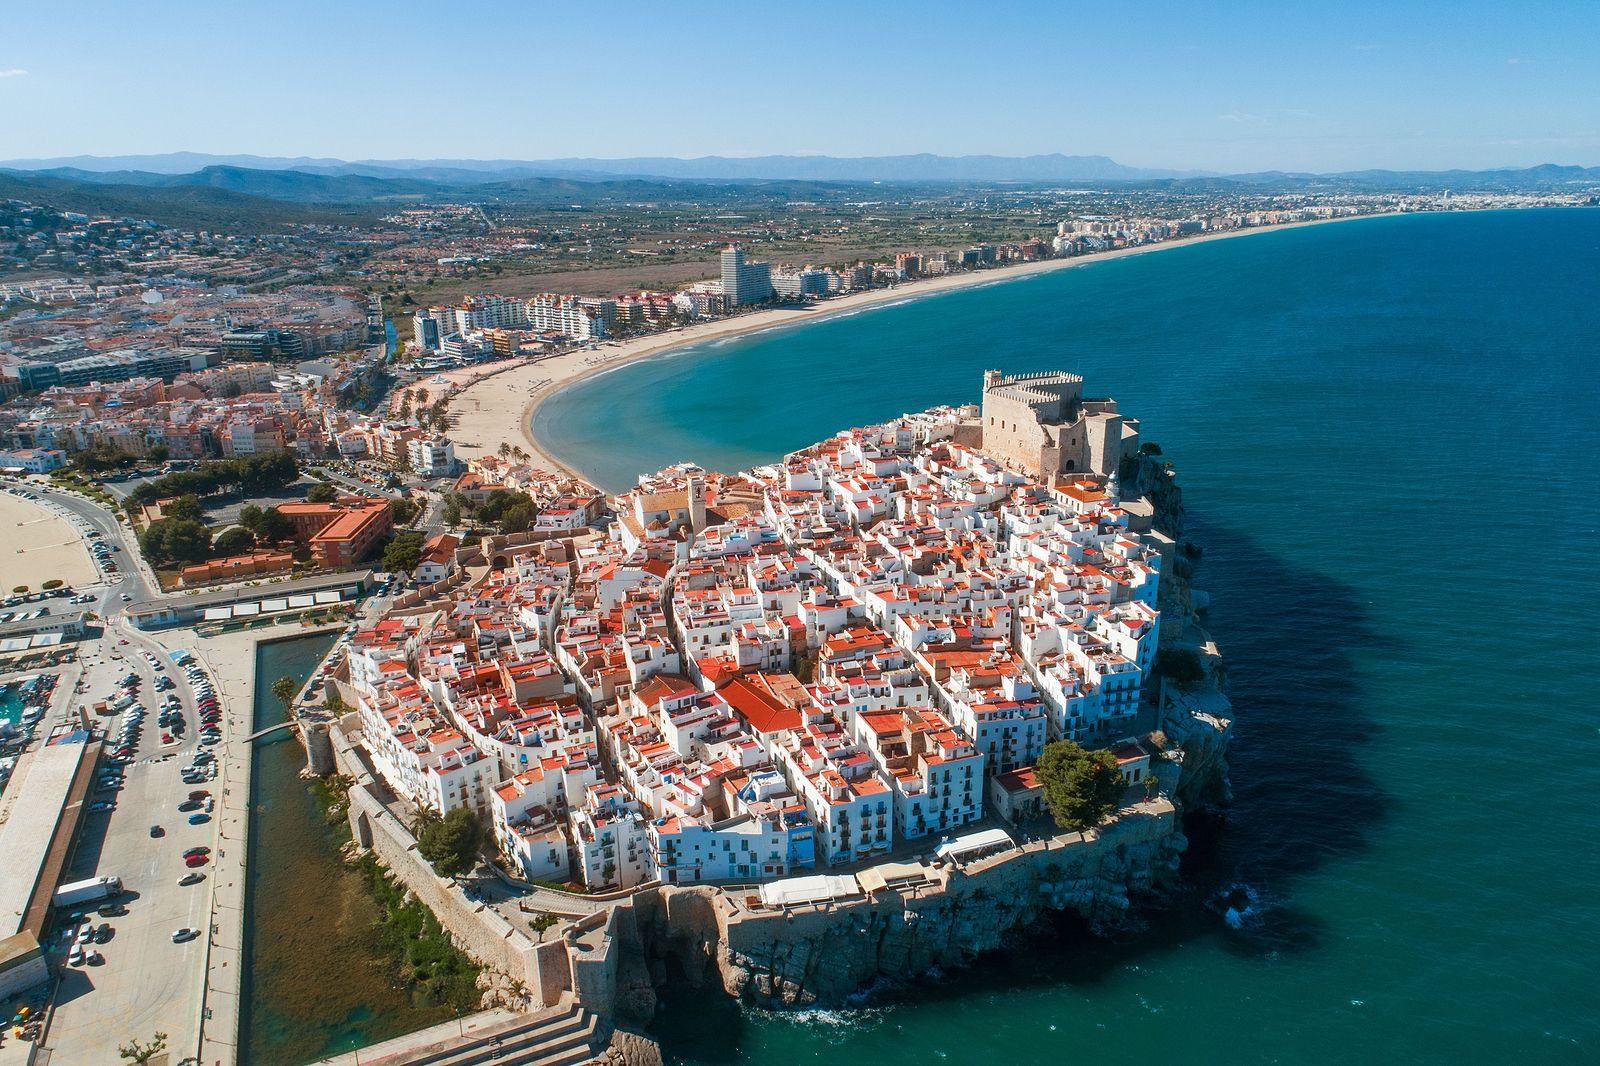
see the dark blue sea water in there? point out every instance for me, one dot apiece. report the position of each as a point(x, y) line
point(1387, 432)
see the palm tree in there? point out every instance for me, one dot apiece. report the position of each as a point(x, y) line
point(285, 688)
point(505, 449)
point(425, 818)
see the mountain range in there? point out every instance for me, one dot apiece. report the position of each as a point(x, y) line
point(263, 194)
point(920, 168)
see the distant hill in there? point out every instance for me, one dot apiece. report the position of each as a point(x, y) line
point(378, 193)
point(915, 168)
point(183, 206)
point(245, 199)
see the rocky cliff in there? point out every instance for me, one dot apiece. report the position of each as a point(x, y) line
point(822, 954)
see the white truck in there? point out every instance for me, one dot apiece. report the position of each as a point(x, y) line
point(90, 891)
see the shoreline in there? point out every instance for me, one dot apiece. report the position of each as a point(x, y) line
point(481, 428)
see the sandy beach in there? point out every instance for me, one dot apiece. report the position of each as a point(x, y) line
point(498, 408)
point(40, 545)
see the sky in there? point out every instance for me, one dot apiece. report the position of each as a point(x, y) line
point(1219, 85)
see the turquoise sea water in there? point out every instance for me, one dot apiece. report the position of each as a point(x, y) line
point(1387, 434)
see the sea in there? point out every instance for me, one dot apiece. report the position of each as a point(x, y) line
point(1387, 433)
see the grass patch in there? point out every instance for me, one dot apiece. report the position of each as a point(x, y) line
point(435, 972)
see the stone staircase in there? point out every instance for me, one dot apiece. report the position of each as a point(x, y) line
point(565, 1035)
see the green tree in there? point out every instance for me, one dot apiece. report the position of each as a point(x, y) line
point(425, 818)
point(272, 526)
point(1181, 666)
point(235, 541)
point(452, 512)
point(541, 923)
point(451, 844)
point(176, 540)
point(285, 689)
point(498, 502)
point(185, 506)
point(133, 1051)
point(1081, 787)
point(402, 553)
point(321, 492)
point(517, 518)
point(250, 517)
point(403, 509)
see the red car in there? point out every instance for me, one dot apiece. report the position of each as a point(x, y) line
point(199, 794)
point(194, 860)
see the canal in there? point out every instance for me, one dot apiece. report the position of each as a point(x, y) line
point(316, 982)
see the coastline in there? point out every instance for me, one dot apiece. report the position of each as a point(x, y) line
point(484, 407)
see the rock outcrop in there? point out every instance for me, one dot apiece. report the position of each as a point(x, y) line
point(821, 955)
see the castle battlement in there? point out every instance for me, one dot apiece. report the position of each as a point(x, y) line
point(1038, 422)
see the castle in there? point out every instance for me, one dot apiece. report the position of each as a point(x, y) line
point(1042, 425)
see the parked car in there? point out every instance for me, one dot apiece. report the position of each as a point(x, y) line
point(194, 877)
point(156, 831)
point(180, 936)
point(198, 849)
point(200, 818)
point(194, 860)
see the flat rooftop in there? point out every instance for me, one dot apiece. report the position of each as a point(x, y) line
point(44, 797)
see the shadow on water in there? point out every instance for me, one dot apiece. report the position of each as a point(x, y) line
point(1293, 639)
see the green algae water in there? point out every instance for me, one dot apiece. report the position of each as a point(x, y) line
point(1387, 432)
point(317, 982)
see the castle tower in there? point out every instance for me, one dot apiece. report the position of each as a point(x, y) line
point(697, 503)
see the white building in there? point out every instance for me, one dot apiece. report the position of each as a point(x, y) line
point(432, 456)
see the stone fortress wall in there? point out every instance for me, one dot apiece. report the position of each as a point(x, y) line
point(1040, 423)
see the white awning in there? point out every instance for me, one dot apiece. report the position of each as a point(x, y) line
point(813, 889)
point(987, 840)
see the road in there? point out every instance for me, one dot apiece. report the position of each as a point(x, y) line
point(134, 577)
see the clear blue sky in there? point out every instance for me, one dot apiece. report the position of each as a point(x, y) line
point(1229, 85)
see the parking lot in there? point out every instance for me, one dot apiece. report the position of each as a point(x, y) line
point(146, 982)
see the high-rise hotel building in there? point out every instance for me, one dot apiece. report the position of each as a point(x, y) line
point(744, 283)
